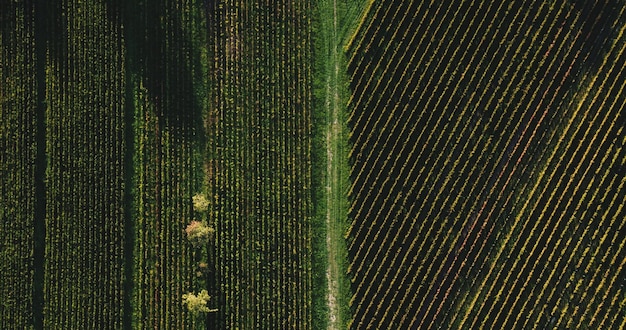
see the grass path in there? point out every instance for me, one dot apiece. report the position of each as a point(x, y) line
point(337, 19)
point(337, 170)
point(334, 189)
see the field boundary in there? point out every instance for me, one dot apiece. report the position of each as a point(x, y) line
point(336, 21)
point(333, 186)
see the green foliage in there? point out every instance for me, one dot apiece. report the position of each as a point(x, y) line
point(198, 304)
point(198, 233)
point(200, 203)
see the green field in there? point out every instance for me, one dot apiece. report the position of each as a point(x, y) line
point(488, 165)
point(20, 175)
point(324, 164)
point(116, 113)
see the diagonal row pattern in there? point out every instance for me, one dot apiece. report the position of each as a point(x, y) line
point(487, 164)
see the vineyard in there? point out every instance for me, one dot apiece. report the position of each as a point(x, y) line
point(192, 164)
point(113, 116)
point(84, 180)
point(18, 168)
point(488, 165)
point(259, 166)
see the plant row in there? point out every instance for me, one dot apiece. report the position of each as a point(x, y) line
point(166, 112)
point(84, 221)
point(18, 146)
point(449, 135)
point(260, 163)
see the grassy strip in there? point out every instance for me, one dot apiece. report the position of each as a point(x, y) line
point(333, 21)
point(319, 261)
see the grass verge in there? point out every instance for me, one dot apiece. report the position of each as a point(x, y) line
point(334, 21)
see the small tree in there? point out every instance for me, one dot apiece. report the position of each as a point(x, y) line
point(197, 304)
point(198, 233)
point(200, 203)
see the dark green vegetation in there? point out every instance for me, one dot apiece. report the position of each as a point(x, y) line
point(486, 188)
point(164, 139)
point(18, 155)
point(333, 21)
point(84, 180)
point(258, 166)
point(113, 115)
point(488, 165)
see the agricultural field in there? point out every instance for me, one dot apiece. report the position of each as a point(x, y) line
point(18, 168)
point(331, 164)
point(259, 166)
point(126, 124)
point(488, 165)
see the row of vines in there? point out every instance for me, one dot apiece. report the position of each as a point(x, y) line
point(116, 113)
point(18, 97)
point(488, 165)
point(117, 164)
point(167, 162)
point(258, 163)
point(85, 149)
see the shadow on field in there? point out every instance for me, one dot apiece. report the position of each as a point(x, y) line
point(160, 58)
point(598, 28)
point(53, 19)
point(160, 54)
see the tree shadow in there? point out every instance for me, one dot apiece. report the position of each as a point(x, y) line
point(160, 54)
point(596, 30)
point(160, 57)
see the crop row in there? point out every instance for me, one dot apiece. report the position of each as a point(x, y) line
point(447, 137)
point(84, 256)
point(543, 223)
point(18, 97)
point(166, 174)
point(542, 103)
point(260, 163)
